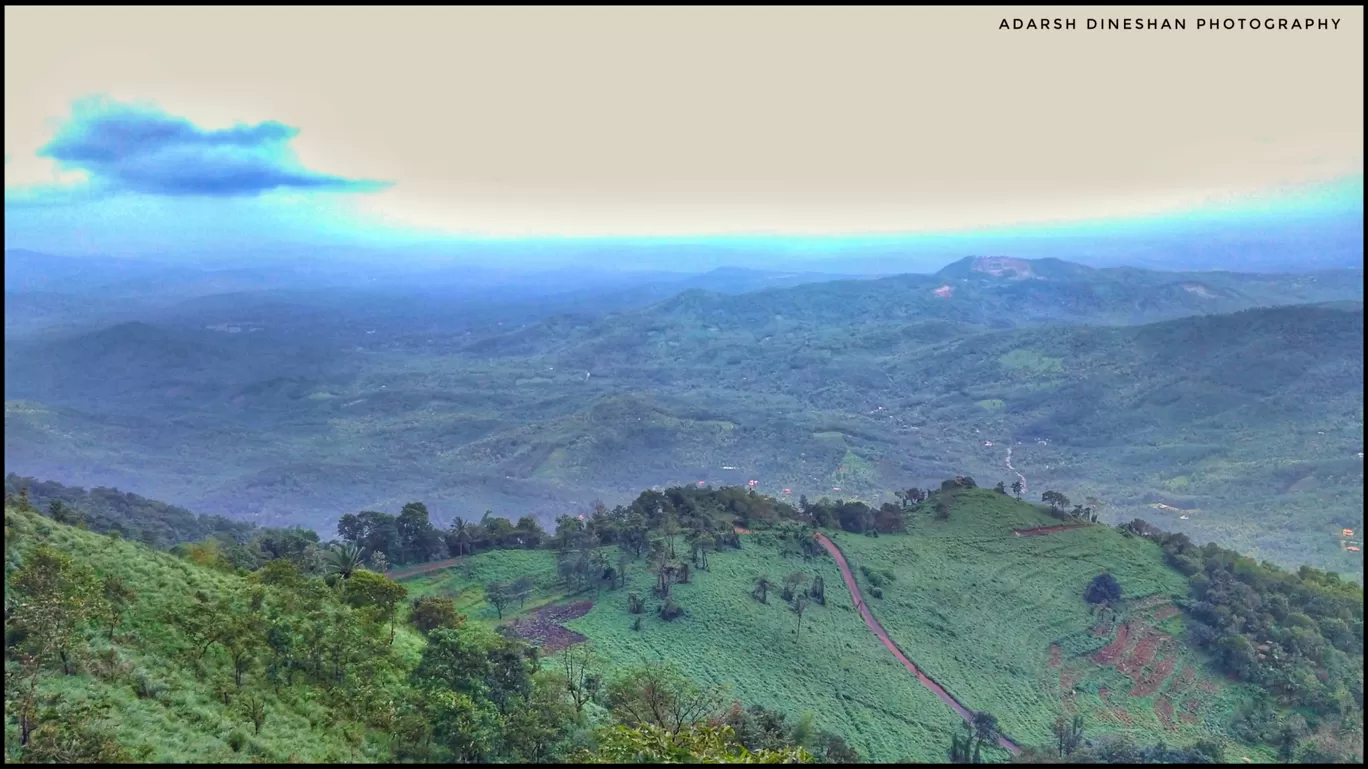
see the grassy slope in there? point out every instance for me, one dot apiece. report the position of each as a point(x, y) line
point(976, 607)
point(185, 722)
point(979, 610)
point(836, 669)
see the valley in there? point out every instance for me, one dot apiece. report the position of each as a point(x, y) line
point(852, 385)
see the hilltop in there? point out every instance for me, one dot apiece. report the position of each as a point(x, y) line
point(1020, 618)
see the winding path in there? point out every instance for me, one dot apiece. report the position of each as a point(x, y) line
point(874, 625)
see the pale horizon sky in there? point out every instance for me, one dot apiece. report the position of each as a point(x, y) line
point(656, 122)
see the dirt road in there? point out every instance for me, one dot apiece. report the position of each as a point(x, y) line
point(422, 568)
point(874, 625)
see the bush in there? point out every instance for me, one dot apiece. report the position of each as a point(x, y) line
point(237, 740)
point(874, 578)
point(876, 592)
point(146, 687)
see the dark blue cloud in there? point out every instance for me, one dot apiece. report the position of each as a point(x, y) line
point(138, 148)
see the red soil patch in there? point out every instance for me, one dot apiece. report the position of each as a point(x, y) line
point(1110, 653)
point(1163, 708)
point(1207, 687)
point(944, 292)
point(543, 626)
point(873, 624)
point(1047, 529)
point(1123, 716)
point(1054, 655)
point(1103, 693)
point(422, 568)
point(1137, 664)
point(1161, 671)
point(1189, 714)
point(740, 530)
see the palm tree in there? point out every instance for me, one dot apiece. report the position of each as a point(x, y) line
point(460, 534)
point(344, 560)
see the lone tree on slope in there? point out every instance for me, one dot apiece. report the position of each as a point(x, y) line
point(1103, 589)
point(1055, 500)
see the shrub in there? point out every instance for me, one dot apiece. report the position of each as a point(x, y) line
point(670, 610)
point(876, 592)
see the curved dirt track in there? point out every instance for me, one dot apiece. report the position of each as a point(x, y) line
point(874, 625)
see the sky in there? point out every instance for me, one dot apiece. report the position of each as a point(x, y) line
point(141, 130)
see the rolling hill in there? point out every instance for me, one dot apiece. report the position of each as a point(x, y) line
point(994, 603)
point(1243, 427)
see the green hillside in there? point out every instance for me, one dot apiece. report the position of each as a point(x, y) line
point(116, 651)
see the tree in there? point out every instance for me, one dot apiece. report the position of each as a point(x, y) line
point(581, 680)
point(54, 597)
point(790, 583)
point(254, 708)
point(762, 587)
point(818, 590)
point(432, 612)
point(459, 538)
point(344, 560)
point(499, 596)
point(1017, 488)
point(465, 725)
point(533, 731)
point(985, 727)
point(1103, 589)
point(117, 597)
point(1000, 488)
point(376, 595)
point(521, 589)
point(1055, 500)
point(800, 605)
point(60, 513)
point(659, 695)
point(1068, 734)
point(378, 562)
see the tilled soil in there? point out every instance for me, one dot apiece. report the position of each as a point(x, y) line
point(543, 628)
